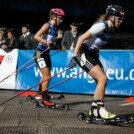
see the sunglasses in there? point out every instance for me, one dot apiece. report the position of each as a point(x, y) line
point(120, 18)
point(60, 17)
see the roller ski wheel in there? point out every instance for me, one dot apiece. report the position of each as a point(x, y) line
point(36, 104)
point(66, 106)
point(62, 97)
point(62, 106)
point(126, 119)
point(81, 116)
point(88, 120)
point(29, 97)
point(131, 119)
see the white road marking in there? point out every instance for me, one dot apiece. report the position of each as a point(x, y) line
point(126, 104)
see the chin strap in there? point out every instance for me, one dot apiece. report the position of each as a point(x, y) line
point(113, 22)
point(56, 21)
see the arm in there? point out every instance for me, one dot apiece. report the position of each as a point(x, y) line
point(44, 30)
point(80, 41)
point(95, 30)
point(75, 58)
point(63, 42)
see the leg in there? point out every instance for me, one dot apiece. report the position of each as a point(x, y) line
point(44, 86)
point(46, 75)
point(91, 64)
point(98, 109)
point(98, 74)
point(44, 63)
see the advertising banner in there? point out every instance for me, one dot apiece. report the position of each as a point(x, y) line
point(8, 65)
point(118, 65)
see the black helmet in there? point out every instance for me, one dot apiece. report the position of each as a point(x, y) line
point(115, 10)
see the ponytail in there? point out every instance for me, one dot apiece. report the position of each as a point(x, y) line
point(102, 18)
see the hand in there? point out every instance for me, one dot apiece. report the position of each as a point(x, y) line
point(73, 62)
point(51, 45)
point(63, 48)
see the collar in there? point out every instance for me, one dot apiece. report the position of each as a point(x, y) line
point(26, 34)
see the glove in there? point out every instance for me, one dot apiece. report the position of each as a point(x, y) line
point(63, 48)
point(73, 62)
point(51, 45)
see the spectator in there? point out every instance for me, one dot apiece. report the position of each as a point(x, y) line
point(27, 38)
point(3, 43)
point(12, 41)
point(70, 36)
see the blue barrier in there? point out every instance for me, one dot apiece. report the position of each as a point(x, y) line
point(118, 65)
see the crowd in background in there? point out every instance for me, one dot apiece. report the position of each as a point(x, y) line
point(25, 41)
point(10, 39)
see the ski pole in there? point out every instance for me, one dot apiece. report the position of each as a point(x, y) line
point(33, 86)
point(34, 64)
point(26, 68)
point(24, 65)
point(55, 52)
point(15, 72)
point(59, 83)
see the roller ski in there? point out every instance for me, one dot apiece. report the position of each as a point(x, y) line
point(40, 93)
point(39, 97)
point(103, 116)
point(45, 101)
point(48, 104)
point(98, 114)
point(126, 119)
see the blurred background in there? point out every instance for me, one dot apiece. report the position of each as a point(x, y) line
point(14, 13)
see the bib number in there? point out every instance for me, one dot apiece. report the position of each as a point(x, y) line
point(83, 60)
point(41, 63)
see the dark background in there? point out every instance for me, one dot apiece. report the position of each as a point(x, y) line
point(14, 13)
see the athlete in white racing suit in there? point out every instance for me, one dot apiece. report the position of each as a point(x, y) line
point(87, 55)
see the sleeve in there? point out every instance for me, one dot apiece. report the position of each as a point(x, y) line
point(63, 42)
point(97, 29)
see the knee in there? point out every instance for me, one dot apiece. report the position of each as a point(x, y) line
point(47, 77)
point(103, 79)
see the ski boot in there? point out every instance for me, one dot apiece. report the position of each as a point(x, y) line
point(100, 112)
point(47, 103)
point(97, 115)
point(52, 105)
point(47, 96)
point(104, 114)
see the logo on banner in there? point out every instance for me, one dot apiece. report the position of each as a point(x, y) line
point(9, 58)
point(1, 58)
